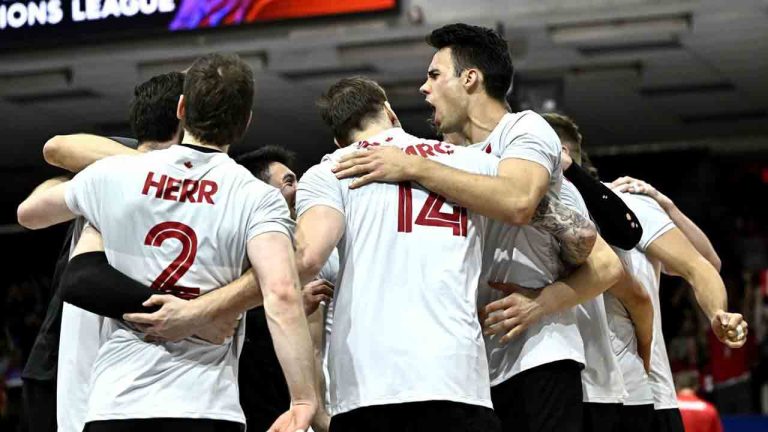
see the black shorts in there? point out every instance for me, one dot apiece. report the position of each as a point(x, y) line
point(637, 418)
point(668, 420)
point(547, 398)
point(443, 416)
point(39, 409)
point(601, 417)
point(164, 425)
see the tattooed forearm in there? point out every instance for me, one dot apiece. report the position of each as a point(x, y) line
point(576, 233)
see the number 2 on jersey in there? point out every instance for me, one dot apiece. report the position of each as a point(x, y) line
point(430, 214)
point(168, 279)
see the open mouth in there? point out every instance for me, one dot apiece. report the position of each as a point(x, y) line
point(433, 117)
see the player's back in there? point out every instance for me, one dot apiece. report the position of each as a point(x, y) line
point(177, 220)
point(405, 325)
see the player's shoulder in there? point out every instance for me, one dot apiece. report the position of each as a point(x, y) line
point(529, 122)
point(639, 201)
point(117, 163)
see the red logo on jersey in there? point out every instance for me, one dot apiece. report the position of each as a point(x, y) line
point(488, 149)
point(366, 144)
point(388, 139)
point(181, 190)
point(188, 164)
point(426, 150)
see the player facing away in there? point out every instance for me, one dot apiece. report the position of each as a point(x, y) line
point(186, 220)
point(406, 349)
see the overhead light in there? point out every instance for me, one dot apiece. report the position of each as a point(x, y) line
point(623, 30)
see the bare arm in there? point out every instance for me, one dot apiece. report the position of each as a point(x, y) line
point(45, 207)
point(638, 303)
point(75, 152)
point(511, 197)
point(678, 255)
point(695, 235)
point(576, 234)
point(271, 255)
point(318, 231)
point(600, 271)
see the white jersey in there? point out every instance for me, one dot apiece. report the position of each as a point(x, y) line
point(177, 220)
point(601, 377)
point(526, 256)
point(655, 223)
point(624, 342)
point(329, 272)
point(405, 324)
point(78, 346)
point(526, 135)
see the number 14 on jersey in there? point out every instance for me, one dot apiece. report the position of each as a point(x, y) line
point(431, 213)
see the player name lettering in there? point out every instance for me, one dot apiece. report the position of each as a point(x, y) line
point(424, 149)
point(181, 190)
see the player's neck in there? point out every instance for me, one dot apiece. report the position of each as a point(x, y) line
point(371, 131)
point(147, 146)
point(189, 139)
point(483, 116)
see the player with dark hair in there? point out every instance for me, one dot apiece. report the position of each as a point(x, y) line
point(43, 411)
point(139, 383)
point(263, 390)
point(535, 360)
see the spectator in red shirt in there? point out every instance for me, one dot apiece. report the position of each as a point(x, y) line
point(698, 414)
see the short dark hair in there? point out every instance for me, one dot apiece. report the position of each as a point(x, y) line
point(152, 112)
point(257, 161)
point(218, 91)
point(348, 104)
point(481, 48)
point(567, 130)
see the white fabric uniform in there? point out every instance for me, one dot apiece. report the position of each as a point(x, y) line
point(405, 325)
point(526, 256)
point(178, 219)
point(655, 223)
point(526, 135)
point(624, 342)
point(329, 272)
point(78, 345)
point(601, 378)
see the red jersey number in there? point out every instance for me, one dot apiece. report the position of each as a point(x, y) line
point(167, 280)
point(430, 214)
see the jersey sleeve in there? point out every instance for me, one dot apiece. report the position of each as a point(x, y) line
point(652, 217)
point(571, 197)
point(531, 138)
point(318, 186)
point(271, 214)
point(84, 195)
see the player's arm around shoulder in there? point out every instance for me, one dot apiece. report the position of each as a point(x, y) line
point(64, 200)
point(678, 255)
point(45, 208)
point(75, 152)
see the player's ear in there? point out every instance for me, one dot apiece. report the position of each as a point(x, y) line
point(335, 141)
point(391, 114)
point(471, 78)
point(181, 108)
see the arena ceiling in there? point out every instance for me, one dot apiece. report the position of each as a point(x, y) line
point(630, 72)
